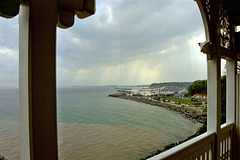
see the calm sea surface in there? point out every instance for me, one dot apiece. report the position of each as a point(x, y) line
point(93, 126)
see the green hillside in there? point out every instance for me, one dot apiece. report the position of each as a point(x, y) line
point(177, 84)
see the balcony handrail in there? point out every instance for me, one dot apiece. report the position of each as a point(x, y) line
point(193, 145)
point(186, 148)
point(226, 128)
point(225, 140)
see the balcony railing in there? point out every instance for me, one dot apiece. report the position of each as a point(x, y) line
point(226, 142)
point(202, 147)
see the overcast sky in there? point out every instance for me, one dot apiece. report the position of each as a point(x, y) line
point(127, 42)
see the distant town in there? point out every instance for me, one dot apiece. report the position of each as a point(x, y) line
point(173, 96)
point(164, 92)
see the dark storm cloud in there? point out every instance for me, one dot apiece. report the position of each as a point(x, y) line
point(124, 29)
point(125, 38)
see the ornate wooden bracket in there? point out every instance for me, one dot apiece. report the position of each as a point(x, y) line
point(220, 25)
point(67, 9)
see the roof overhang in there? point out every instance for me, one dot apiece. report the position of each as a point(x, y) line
point(233, 7)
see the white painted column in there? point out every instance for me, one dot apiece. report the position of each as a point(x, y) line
point(230, 91)
point(231, 97)
point(214, 99)
point(23, 83)
point(37, 80)
point(214, 94)
point(237, 120)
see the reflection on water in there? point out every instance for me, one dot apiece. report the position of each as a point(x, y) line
point(103, 142)
point(93, 126)
point(10, 140)
point(89, 141)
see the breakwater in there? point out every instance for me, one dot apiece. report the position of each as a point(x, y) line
point(189, 113)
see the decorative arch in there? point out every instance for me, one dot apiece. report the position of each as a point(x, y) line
point(205, 9)
point(220, 18)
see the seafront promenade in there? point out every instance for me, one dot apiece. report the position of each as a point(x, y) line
point(191, 112)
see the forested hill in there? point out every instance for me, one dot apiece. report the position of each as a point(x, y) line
point(177, 84)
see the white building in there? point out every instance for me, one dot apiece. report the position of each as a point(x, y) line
point(146, 92)
point(163, 90)
point(183, 91)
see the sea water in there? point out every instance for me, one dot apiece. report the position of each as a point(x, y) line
point(93, 126)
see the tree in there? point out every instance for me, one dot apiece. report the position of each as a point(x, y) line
point(199, 86)
point(223, 99)
point(203, 129)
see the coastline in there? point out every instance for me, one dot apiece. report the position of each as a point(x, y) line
point(191, 113)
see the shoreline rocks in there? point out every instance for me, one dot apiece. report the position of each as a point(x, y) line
point(190, 114)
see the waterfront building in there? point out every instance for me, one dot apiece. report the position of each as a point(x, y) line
point(168, 90)
point(183, 91)
point(200, 96)
point(141, 92)
point(146, 92)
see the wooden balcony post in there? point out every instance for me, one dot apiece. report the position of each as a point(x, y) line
point(214, 100)
point(37, 80)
